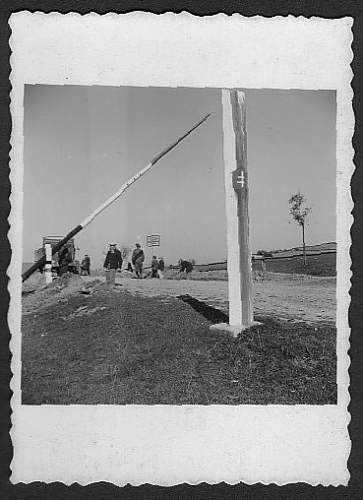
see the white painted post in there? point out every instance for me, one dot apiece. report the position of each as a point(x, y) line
point(48, 264)
point(239, 263)
point(234, 278)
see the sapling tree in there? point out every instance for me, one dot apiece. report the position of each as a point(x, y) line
point(299, 211)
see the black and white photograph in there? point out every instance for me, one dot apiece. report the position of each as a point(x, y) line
point(128, 309)
point(180, 234)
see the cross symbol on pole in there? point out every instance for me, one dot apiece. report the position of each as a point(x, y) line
point(241, 179)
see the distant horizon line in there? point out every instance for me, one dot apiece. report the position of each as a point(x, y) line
point(307, 247)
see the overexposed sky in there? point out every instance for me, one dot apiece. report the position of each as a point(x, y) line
point(81, 143)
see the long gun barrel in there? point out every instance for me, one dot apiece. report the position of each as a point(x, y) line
point(110, 200)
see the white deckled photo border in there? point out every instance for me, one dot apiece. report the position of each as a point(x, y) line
point(167, 445)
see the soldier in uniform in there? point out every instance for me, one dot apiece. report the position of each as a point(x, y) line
point(161, 267)
point(112, 262)
point(64, 260)
point(154, 267)
point(185, 266)
point(85, 265)
point(138, 258)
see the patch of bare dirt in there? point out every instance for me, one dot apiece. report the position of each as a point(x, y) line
point(289, 298)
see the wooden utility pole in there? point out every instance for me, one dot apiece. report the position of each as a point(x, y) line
point(236, 187)
point(240, 185)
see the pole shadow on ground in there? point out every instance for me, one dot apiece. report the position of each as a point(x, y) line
point(209, 313)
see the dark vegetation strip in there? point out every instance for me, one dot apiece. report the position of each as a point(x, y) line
point(151, 351)
point(318, 264)
point(308, 254)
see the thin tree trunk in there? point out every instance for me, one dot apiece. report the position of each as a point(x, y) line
point(304, 249)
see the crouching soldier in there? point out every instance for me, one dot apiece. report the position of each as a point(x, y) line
point(185, 267)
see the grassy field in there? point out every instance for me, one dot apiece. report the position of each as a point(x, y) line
point(317, 265)
point(112, 347)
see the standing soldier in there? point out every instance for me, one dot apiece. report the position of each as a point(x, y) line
point(113, 262)
point(138, 258)
point(86, 265)
point(154, 267)
point(64, 259)
point(161, 267)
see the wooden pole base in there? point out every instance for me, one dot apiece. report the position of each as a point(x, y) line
point(233, 330)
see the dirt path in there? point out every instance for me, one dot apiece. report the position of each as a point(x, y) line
point(286, 298)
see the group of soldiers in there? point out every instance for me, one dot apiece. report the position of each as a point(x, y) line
point(65, 260)
point(157, 267)
point(113, 263)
